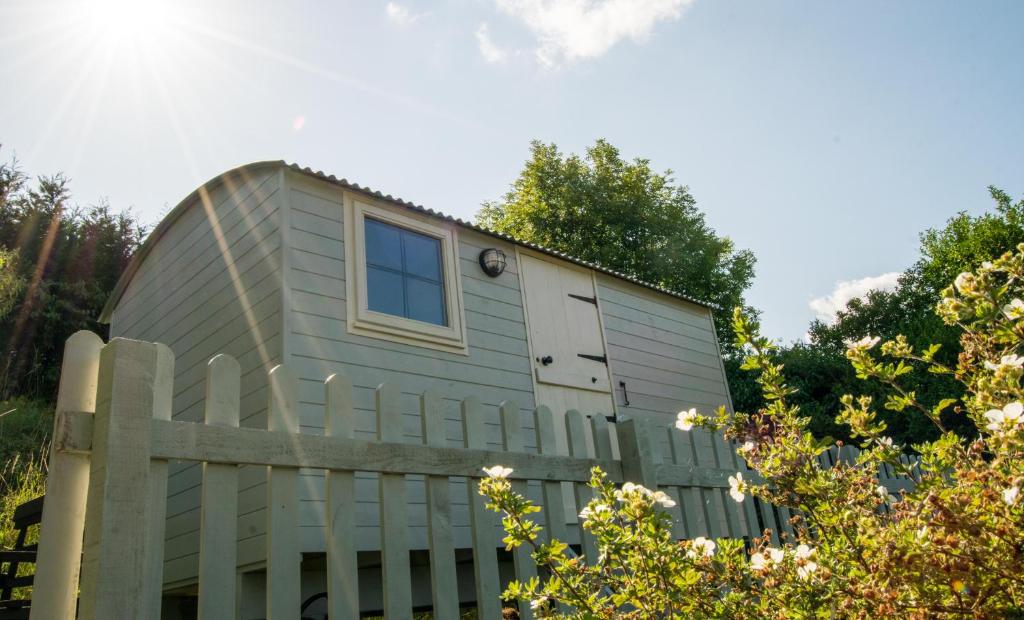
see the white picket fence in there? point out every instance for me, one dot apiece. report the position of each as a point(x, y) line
point(108, 487)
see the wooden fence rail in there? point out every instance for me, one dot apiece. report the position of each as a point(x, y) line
point(115, 436)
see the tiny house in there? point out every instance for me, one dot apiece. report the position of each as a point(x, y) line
point(276, 264)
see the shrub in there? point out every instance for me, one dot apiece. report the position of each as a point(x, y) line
point(953, 546)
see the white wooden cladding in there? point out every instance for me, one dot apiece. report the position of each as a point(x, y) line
point(130, 438)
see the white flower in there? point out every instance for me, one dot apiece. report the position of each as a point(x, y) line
point(1010, 495)
point(885, 442)
point(701, 546)
point(1007, 361)
point(804, 571)
point(1014, 309)
point(865, 343)
point(632, 487)
point(737, 486)
point(803, 552)
point(758, 561)
point(986, 264)
point(686, 419)
point(747, 447)
point(663, 499)
point(964, 281)
point(539, 603)
point(591, 511)
point(498, 471)
point(1008, 418)
point(882, 492)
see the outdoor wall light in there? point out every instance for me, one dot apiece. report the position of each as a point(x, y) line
point(492, 260)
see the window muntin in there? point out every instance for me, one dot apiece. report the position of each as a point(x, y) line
point(404, 273)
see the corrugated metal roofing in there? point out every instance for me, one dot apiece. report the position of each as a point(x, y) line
point(171, 217)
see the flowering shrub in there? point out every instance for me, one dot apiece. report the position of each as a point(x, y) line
point(952, 546)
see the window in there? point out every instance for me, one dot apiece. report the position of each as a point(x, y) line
point(404, 273)
point(402, 277)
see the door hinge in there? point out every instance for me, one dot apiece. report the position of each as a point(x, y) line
point(597, 358)
point(589, 300)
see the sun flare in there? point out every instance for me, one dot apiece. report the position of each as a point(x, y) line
point(127, 20)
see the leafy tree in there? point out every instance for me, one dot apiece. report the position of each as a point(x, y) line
point(625, 216)
point(818, 369)
point(69, 258)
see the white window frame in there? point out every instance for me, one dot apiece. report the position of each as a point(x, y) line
point(365, 322)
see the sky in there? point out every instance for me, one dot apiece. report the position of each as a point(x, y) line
point(823, 136)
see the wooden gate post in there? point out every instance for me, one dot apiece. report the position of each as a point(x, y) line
point(117, 561)
point(59, 556)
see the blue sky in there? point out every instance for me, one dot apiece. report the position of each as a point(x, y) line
point(824, 136)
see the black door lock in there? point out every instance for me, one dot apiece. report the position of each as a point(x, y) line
point(547, 359)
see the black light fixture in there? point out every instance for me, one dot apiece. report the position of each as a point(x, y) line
point(492, 260)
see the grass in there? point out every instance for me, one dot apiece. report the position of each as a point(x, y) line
point(25, 427)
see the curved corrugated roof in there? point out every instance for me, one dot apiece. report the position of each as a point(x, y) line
point(177, 211)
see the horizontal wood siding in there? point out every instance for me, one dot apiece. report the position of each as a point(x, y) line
point(318, 344)
point(663, 349)
point(210, 285)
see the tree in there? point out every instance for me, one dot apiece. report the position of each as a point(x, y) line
point(624, 216)
point(63, 260)
point(818, 369)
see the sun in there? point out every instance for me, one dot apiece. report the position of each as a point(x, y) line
point(136, 21)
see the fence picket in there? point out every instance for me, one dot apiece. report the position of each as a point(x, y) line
point(690, 499)
point(284, 557)
point(575, 429)
point(481, 520)
point(394, 522)
point(512, 441)
point(443, 577)
point(746, 510)
point(163, 391)
point(676, 493)
point(554, 507)
point(734, 521)
point(714, 499)
point(342, 568)
point(218, 507)
point(602, 437)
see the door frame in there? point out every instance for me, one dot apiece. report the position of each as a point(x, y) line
point(520, 252)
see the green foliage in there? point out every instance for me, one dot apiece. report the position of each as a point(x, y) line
point(950, 547)
point(818, 369)
point(25, 427)
point(625, 216)
point(22, 478)
point(58, 264)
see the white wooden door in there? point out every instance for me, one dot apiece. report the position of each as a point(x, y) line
point(566, 340)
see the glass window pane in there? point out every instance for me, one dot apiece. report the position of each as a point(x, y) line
point(426, 301)
point(422, 255)
point(383, 244)
point(385, 292)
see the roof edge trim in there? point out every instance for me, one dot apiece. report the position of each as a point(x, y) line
point(175, 213)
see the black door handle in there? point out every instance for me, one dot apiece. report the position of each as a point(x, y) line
point(547, 359)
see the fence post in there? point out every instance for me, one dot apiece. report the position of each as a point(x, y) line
point(59, 556)
point(114, 566)
point(638, 454)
